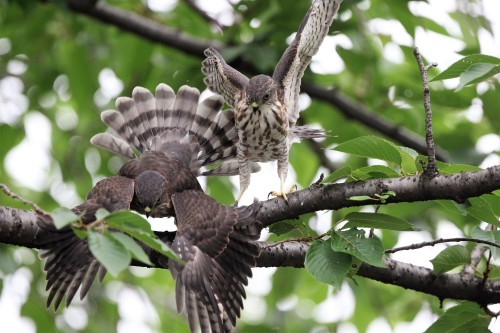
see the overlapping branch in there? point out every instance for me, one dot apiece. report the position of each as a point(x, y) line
point(18, 227)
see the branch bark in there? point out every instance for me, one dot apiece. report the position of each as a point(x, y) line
point(18, 227)
point(156, 32)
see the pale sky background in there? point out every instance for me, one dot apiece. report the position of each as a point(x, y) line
point(136, 312)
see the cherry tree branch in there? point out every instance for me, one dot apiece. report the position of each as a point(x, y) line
point(440, 241)
point(431, 148)
point(159, 33)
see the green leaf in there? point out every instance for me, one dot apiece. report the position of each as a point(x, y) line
point(481, 209)
point(464, 318)
point(377, 221)
point(477, 73)
point(456, 168)
point(101, 213)
point(374, 172)
point(371, 147)
point(337, 174)
point(361, 198)
point(63, 217)
point(450, 258)
point(112, 254)
point(490, 236)
point(326, 265)
point(140, 229)
point(286, 226)
point(131, 245)
point(462, 65)
point(353, 242)
point(122, 218)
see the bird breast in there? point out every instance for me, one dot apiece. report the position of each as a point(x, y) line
point(263, 132)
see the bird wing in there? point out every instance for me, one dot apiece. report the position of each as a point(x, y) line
point(221, 78)
point(214, 241)
point(290, 69)
point(69, 260)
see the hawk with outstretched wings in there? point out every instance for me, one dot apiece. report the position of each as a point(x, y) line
point(267, 108)
point(175, 136)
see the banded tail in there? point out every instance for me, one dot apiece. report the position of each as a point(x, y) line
point(164, 121)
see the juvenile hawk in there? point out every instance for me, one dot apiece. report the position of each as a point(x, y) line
point(175, 136)
point(267, 108)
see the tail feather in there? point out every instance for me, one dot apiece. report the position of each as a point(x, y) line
point(155, 122)
point(307, 132)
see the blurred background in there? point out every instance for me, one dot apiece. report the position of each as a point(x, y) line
point(59, 69)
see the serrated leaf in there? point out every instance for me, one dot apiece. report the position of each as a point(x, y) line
point(457, 68)
point(481, 209)
point(490, 236)
point(371, 147)
point(377, 221)
point(135, 249)
point(140, 229)
point(449, 258)
point(463, 318)
point(63, 216)
point(452, 206)
point(109, 252)
point(353, 242)
point(337, 174)
point(282, 227)
point(325, 265)
point(477, 73)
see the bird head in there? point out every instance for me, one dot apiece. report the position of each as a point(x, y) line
point(150, 191)
point(261, 90)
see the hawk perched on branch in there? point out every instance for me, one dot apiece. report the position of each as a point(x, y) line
point(267, 108)
point(175, 136)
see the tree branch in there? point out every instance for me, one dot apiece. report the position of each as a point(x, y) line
point(440, 241)
point(431, 148)
point(156, 32)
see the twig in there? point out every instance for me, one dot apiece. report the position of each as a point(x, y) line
point(15, 196)
point(431, 149)
point(439, 241)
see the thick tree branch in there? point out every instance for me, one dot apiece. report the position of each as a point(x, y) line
point(156, 32)
point(456, 187)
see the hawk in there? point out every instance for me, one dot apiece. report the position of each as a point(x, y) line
point(175, 136)
point(267, 108)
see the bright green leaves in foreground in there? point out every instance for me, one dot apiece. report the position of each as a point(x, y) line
point(471, 69)
point(327, 265)
point(113, 238)
point(372, 147)
point(450, 258)
point(463, 318)
point(377, 221)
point(330, 261)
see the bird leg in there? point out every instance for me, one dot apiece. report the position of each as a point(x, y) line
point(282, 172)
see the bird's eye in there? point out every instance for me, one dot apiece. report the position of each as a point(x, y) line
point(266, 96)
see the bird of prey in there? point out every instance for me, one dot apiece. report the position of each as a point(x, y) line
point(175, 136)
point(267, 108)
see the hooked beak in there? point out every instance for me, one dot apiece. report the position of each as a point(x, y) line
point(147, 210)
point(255, 106)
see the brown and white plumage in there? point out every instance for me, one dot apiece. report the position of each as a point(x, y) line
point(267, 108)
point(174, 136)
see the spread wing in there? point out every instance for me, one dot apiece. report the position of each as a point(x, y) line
point(221, 78)
point(290, 69)
point(214, 241)
point(69, 260)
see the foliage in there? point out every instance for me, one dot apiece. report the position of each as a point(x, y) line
point(55, 72)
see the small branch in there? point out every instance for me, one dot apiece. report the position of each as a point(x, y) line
point(15, 196)
point(439, 241)
point(431, 149)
